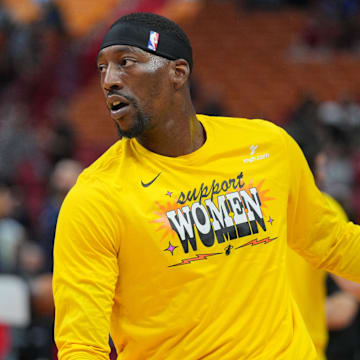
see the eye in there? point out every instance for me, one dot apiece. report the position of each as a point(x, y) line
point(101, 68)
point(126, 62)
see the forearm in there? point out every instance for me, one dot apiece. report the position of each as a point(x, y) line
point(77, 352)
point(341, 309)
point(85, 276)
point(350, 287)
point(82, 317)
point(343, 255)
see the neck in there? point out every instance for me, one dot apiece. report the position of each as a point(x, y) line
point(178, 136)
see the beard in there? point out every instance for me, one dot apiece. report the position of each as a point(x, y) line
point(141, 123)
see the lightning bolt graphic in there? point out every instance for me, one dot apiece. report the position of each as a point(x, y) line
point(198, 257)
point(257, 242)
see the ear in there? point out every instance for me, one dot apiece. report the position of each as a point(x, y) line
point(180, 72)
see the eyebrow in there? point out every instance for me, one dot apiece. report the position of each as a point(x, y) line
point(122, 48)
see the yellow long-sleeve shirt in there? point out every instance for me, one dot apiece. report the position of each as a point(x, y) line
point(185, 257)
point(309, 290)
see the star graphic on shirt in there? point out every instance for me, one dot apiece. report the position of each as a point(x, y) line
point(169, 193)
point(171, 248)
point(270, 220)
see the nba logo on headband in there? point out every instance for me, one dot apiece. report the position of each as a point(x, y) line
point(153, 40)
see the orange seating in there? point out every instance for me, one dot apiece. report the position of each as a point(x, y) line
point(80, 15)
point(22, 10)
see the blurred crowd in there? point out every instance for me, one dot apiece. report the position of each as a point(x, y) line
point(332, 25)
point(39, 73)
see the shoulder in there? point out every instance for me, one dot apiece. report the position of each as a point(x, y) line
point(244, 127)
point(97, 183)
point(90, 207)
point(102, 168)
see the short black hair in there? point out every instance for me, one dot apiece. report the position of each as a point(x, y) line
point(159, 23)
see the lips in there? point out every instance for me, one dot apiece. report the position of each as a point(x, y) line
point(118, 105)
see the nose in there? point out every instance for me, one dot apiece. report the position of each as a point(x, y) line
point(112, 78)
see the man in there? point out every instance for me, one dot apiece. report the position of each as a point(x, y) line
point(175, 240)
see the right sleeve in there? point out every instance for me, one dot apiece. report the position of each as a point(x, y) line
point(315, 230)
point(85, 274)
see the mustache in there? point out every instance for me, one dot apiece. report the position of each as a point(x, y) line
point(129, 98)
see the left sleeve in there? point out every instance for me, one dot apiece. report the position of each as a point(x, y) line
point(315, 230)
point(86, 272)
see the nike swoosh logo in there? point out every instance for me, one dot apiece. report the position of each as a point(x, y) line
point(149, 183)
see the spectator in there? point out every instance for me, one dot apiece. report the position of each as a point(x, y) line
point(7, 66)
point(62, 180)
point(343, 323)
point(12, 233)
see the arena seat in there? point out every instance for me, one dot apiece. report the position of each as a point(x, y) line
point(22, 10)
point(80, 15)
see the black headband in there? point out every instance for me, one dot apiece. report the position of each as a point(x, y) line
point(163, 44)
